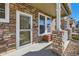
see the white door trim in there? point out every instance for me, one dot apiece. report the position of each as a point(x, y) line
point(17, 29)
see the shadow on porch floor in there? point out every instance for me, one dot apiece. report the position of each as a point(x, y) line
point(44, 52)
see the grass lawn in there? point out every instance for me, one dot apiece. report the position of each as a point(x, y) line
point(75, 37)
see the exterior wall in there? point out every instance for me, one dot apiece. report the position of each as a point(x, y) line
point(7, 33)
point(8, 30)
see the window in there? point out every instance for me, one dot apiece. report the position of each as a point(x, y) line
point(4, 12)
point(49, 21)
point(23, 29)
point(25, 26)
point(44, 24)
point(24, 22)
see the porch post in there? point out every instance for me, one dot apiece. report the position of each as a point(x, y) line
point(68, 24)
point(58, 17)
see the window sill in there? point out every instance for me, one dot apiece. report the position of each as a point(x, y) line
point(4, 20)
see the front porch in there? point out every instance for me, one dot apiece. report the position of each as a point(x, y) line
point(24, 33)
point(30, 48)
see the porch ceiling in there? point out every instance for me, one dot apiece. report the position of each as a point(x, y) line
point(48, 8)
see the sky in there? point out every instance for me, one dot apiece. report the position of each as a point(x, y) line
point(75, 11)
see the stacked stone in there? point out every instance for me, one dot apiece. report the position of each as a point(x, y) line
point(3, 45)
point(8, 30)
point(58, 43)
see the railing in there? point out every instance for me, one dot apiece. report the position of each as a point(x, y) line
point(65, 36)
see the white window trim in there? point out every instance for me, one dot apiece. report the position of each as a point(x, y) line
point(6, 19)
point(46, 33)
point(18, 30)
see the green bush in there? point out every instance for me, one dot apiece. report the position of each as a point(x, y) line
point(75, 37)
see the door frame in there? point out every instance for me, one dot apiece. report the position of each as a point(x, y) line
point(18, 29)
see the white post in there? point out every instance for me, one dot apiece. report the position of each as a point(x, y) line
point(68, 24)
point(58, 18)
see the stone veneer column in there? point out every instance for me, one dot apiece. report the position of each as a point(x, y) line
point(57, 37)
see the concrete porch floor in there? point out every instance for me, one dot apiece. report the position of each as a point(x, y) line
point(44, 52)
point(38, 49)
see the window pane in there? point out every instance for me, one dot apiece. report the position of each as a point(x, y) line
point(24, 37)
point(24, 22)
point(42, 24)
point(2, 10)
point(49, 21)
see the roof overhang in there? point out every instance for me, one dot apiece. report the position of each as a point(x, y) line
point(67, 8)
point(50, 8)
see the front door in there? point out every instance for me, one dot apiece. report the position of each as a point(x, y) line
point(23, 29)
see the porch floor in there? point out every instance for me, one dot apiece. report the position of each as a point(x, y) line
point(32, 48)
point(44, 52)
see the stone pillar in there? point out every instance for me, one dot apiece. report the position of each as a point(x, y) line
point(58, 18)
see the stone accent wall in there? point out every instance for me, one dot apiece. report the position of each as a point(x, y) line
point(8, 30)
point(57, 42)
point(72, 48)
